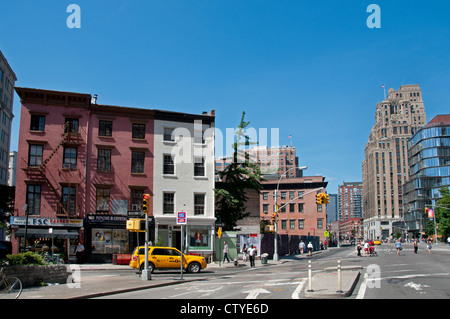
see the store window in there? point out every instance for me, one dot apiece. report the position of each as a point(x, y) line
point(200, 237)
point(109, 241)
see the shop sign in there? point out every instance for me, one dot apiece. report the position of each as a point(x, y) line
point(43, 221)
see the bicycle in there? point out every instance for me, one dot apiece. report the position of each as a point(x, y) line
point(55, 259)
point(10, 287)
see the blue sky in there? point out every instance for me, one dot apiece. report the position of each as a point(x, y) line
point(313, 69)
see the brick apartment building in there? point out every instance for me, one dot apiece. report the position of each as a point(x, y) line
point(83, 168)
point(300, 214)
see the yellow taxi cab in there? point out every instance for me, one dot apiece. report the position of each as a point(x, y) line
point(166, 258)
point(377, 242)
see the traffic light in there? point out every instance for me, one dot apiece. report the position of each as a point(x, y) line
point(319, 198)
point(274, 217)
point(146, 203)
point(326, 198)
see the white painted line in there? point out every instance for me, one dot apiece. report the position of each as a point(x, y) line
point(362, 288)
point(296, 293)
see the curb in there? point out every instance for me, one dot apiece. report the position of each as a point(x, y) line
point(125, 290)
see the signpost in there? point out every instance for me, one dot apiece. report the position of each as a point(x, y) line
point(182, 221)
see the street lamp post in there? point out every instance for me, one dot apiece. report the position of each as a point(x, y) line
point(275, 242)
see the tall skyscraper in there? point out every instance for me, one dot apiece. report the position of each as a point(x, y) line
point(7, 81)
point(385, 165)
point(429, 167)
point(350, 200)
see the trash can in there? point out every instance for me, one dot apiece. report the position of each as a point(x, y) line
point(264, 258)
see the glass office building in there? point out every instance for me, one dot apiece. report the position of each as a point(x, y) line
point(429, 168)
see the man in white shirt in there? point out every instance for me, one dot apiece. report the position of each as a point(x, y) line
point(252, 254)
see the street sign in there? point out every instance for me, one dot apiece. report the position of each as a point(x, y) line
point(219, 232)
point(181, 218)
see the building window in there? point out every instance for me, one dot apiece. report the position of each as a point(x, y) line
point(71, 125)
point(34, 199)
point(69, 196)
point(137, 162)
point(138, 131)
point(104, 160)
point(301, 224)
point(291, 208)
point(320, 223)
point(300, 207)
point(136, 200)
point(168, 137)
point(283, 224)
point(102, 202)
point(37, 123)
point(104, 128)
point(265, 196)
point(292, 224)
point(319, 207)
point(199, 166)
point(70, 158)
point(291, 195)
point(265, 208)
point(168, 165)
point(35, 155)
point(168, 203)
point(199, 204)
point(283, 195)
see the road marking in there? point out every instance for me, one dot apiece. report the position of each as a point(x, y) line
point(296, 293)
point(415, 286)
point(362, 288)
point(254, 293)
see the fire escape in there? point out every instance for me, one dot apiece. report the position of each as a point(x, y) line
point(65, 205)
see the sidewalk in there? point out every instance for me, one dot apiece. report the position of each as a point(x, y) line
point(106, 284)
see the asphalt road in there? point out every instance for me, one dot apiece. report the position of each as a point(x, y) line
point(387, 276)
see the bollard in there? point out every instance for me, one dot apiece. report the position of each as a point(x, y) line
point(310, 277)
point(339, 277)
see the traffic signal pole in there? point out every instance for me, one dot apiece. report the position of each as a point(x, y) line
point(146, 274)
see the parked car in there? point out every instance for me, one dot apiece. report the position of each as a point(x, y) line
point(166, 258)
point(377, 242)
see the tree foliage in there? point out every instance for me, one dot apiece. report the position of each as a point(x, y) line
point(239, 176)
point(442, 211)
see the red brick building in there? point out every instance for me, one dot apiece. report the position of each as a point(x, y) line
point(299, 215)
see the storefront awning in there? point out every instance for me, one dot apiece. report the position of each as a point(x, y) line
point(43, 233)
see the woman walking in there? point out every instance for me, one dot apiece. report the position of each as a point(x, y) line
point(416, 245)
point(429, 245)
point(398, 246)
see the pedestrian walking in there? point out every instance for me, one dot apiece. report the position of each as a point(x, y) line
point(429, 245)
point(79, 252)
point(416, 245)
point(244, 252)
point(398, 246)
point(225, 251)
point(358, 249)
point(366, 248)
point(251, 255)
point(448, 240)
point(301, 246)
point(310, 248)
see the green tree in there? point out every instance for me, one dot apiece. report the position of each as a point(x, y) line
point(239, 176)
point(442, 211)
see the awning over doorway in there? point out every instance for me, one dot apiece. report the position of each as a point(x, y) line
point(43, 233)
